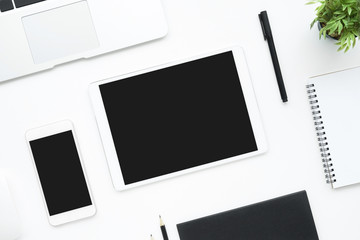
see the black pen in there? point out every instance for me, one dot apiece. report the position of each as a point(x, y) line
point(265, 25)
point(163, 229)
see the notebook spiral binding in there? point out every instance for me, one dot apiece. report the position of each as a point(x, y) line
point(321, 134)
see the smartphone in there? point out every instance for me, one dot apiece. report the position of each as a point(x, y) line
point(60, 173)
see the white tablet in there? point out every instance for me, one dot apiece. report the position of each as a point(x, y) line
point(178, 118)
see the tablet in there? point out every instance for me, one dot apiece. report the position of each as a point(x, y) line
point(178, 118)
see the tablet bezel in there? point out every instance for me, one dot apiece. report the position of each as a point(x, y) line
point(106, 136)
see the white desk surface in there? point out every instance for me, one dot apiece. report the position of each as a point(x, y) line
point(292, 163)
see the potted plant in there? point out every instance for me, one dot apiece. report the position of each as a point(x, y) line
point(339, 19)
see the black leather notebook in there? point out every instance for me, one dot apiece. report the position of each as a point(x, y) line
point(284, 218)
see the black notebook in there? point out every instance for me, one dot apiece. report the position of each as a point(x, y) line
point(284, 218)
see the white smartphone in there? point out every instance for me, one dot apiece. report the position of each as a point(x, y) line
point(57, 160)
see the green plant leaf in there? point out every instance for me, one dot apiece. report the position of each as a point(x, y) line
point(349, 11)
point(341, 48)
point(340, 27)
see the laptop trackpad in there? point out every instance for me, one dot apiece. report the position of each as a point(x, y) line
point(60, 32)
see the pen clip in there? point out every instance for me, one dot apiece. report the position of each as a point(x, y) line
point(262, 26)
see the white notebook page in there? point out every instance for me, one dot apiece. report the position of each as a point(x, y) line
point(339, 102)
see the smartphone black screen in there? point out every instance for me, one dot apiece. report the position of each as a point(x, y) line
point(60, 172)
point(178, 117)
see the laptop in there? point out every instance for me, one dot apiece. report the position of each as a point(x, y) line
point(9, 220)
point(39, 34)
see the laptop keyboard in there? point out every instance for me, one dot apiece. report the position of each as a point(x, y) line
point(6, 5)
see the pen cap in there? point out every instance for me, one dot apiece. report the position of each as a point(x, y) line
point(265, 25)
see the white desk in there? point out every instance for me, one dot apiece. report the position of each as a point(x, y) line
point(292, 163)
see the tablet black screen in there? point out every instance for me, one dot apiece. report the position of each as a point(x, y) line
point(179, 117)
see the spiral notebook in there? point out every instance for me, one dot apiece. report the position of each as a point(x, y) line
point(334, 100)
